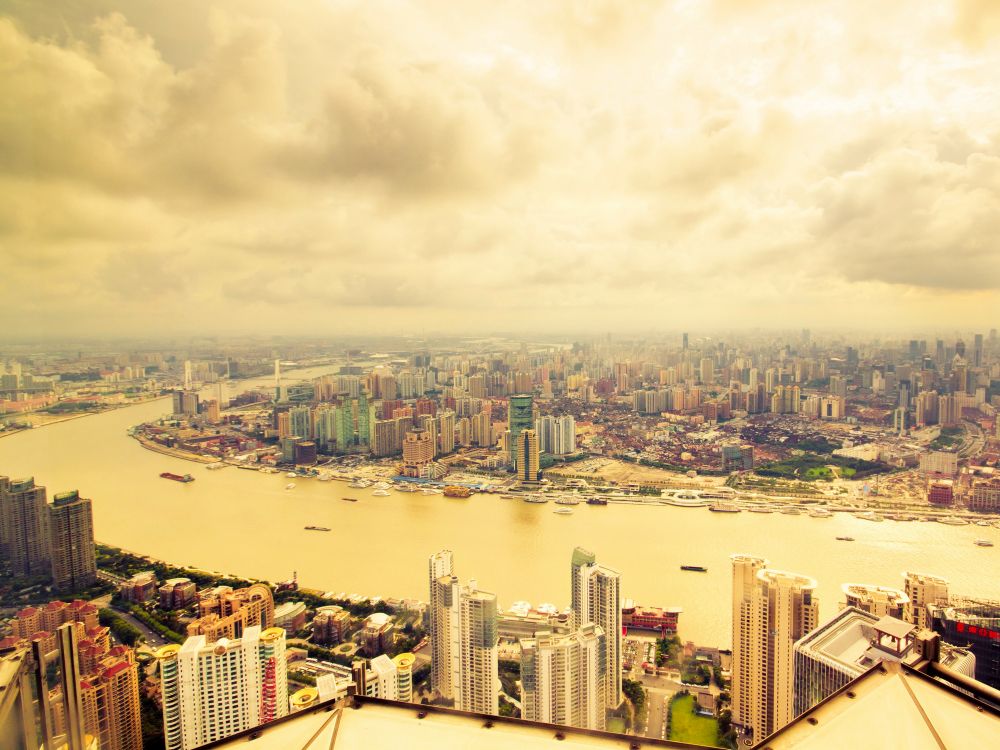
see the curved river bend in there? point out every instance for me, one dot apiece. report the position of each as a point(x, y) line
point(246, 523)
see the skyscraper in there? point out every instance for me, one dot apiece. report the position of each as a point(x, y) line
point(526, 458)
point(520, 414)
point(596, 599)
point(563, 678)
point(23, 527)
point(464, 640)
point(439, 566)
point(771, 610)
point(71, 542)
point(211, 690)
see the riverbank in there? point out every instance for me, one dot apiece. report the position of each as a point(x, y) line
point(152, 445)
point(71, 417)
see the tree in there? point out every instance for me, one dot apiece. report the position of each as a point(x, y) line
point(634, 692)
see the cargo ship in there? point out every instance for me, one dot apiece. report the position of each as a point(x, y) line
point(177, 477)
point(316, 528)
point(455, 491)
point(350, 499)
point(695, 568)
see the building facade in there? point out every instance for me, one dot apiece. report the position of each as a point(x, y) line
point(772, 609)
point(212, 690)
point(71, 542)
point(563, 678)
point(596, 599)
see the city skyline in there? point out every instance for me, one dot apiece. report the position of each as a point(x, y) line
point(374, 166)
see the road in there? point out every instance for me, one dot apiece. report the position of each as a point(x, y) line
point(153, 639)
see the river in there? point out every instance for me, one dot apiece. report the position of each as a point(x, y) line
point(246, 523)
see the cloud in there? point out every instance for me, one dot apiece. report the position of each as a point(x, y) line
point(398, 165)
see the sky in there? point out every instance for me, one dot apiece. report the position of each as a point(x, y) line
point(383, 166)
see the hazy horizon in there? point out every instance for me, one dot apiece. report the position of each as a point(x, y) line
point(433, 169)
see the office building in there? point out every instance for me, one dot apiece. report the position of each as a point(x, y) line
point(464, 640)
point(24, 543)
point(974, 624)
point(563, 678)
point(526, 457)
point(418, 452)
point(520, 414)
point(211, 690)
point(71, 542)
point(852, 642)
point(921, 592)
point(880, 601)
point(596, 599)
point(984, 495)
point(939, 462)
point(772, 609)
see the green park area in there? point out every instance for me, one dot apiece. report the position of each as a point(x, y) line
point(811, 468)
point(949, 437)
point(688, 726)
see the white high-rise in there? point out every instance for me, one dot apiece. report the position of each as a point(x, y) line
point(212, 690)
point(563, 678)
point(464, 640)
point(440, 566)
point(772, 609)
point(556, 435)
point(597, 599)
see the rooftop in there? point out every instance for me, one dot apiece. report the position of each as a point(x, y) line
point(892, 705)
point(362, 723)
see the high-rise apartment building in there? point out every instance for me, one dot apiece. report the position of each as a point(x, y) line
point(211, 690)
point(596, 599)
point(71, 542)
point(446, 431)
point(922, 591)
point(526, 456)
point(464, 639)
point(23, 527)
point(440, 565)
point(300, 422)
point(772, 609)
point(556, 435)
point(880, 601)
point(563, 678)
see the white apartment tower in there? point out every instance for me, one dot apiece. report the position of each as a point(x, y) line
point(597, 599)
point(563, 678)
point(464, 640)
point(212, 690)
point(440, 566)
point(772, 609)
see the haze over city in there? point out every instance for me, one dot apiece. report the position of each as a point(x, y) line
point(429, 167)
point(600, 372)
